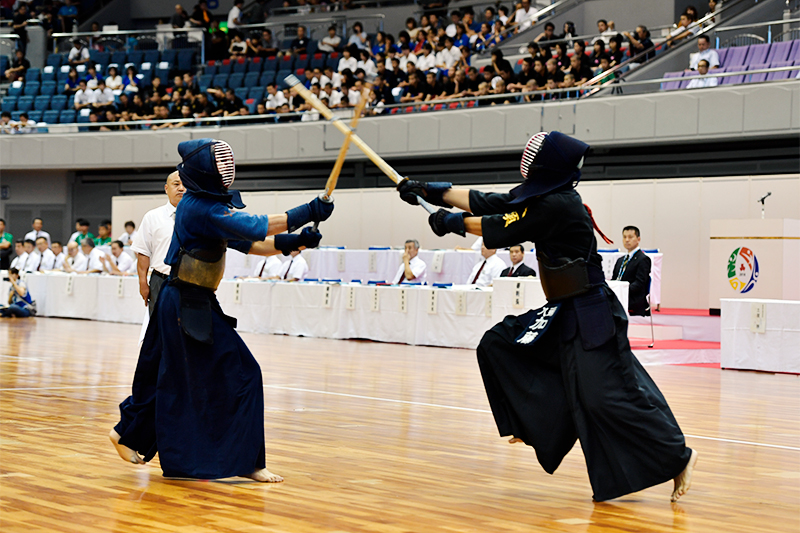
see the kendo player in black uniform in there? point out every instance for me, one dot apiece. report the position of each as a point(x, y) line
point(565, 371)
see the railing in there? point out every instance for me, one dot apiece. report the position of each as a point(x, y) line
point(335, 7)
point(289, 28)
point(125, 40)
point(756, 38)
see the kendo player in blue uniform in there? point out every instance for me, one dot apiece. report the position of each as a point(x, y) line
point(197, 396)
point(565, 371)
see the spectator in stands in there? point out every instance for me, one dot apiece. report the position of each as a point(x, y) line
point(542, 40)
point(201, 16)
point(160, 112)
point(525, 17)
point(579, 49)
point(202, 107)
point(518, 268)
point(44, 258)
point(639, 43)
point(141, 109)
point(427, 60)
point(58, 253)
point(300, 43)
point(704, 52)
point(295, 269)
point(366, 64)
point(218, 44)
point(24, 125)
point(414, 91)
point(580, 71)
point(6, 124)
point(231, 103)
point(103, 233)
point(91, 76)
point(73, 255)
point(275, 98)
point(330, 43)
point(598, 50)
point(561, 56)
point(235, 17)
point(702, 70)
point(605, 65)
point(413, 269)
point(79, 54)
point(92, 260)
point(81, 231)
point(359, 37)
point(19, 25)
point(569, 82)
point(20, 255)
point(130, 83)
point(6, 246)
point(347, 61)
point(615, 53)
point(114, 80)
point(484, 272)
point(84, 97)
point(179, 18)
point(130, 232)
point(68, 15)
point(267, 268)
point(18, 67)
point(263, 46)
point(455, 20)
point(634, 267)
point(681, 31)
point(379, 47)
point(502, 14)
point(37, 231)
point(103, 97)
point(238, 48)
point(31, 260)
point(20, 303)
point(118, 263)
point(605, 30)
point(712, 8)
point(553, 72)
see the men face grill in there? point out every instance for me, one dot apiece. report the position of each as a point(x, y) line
point(223, 155)
point(529, 154)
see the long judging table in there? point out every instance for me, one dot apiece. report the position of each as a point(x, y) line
point(451, 317)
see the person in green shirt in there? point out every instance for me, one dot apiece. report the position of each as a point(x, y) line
point(103, 233)
point(81, 231)
point(6, 246)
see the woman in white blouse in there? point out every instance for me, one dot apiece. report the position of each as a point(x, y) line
point(114, 80)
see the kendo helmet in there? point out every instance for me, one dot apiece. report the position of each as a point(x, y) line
point(550, 160)
point(208, 168)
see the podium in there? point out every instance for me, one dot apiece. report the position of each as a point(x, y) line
point(754, 258)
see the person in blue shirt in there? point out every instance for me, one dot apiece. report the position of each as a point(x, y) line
point(197, 395)
point(20, 303)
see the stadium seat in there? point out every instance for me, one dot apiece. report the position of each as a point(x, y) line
point(267, 78)
point(33, 74)
point(300, 73)
point(241, 92)
point(311, 49)
point(758, 77)
point(16, 88)
point(736, 56)
point(286, 63)
point(722, 53)
point(49, 73)
point(317, 61)
point(395, 110)
point(256, 93)
point(254, 65)
point(409, 110)
point(732, 80)
point(41, 103)
point(251, 105)
point(281, 77)
point(25, 103)
point(48, 87)
point(286, 44)
point(438, 107)
point(35, 115)
point(162, 71)
point(333, 60)
point(301, 61)
point(224, 67)
point(757, 54)
point(51, 116)
point(210, 68)
point(3, 63)
point(426, 107)
point(150, 56)
point(220, 80)
point(235, 80)
point(783, 74)
point(186, 60)
point(118, 58)
point(170, 56)
point(67, 116)
point(671, 85)
point(54, 60)
point(136, 57)
point(59, 102)
point(15, 115)
point(454, 105)
point(31, 88)
point(240, 65)
point(794, 55)
point(518, 66)
point(83, 115)
point(204, 81)
point(270, 64)
point(8, 104)
point(471, 104)
point(779, 52)
point(251, 79)
point(103, 58)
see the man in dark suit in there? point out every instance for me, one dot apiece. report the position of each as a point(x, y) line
point(634, 267)
point(518, 269)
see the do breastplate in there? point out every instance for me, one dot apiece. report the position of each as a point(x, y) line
point(201, 268)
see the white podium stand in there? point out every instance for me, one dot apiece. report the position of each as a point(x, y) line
point(754, 258)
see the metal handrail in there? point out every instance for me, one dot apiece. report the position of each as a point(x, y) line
point(334, 8)
point(536, 17)
point(125, 32)
point(305, 22)
point(758, 25)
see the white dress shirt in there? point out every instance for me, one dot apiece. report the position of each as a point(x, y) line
point(709, 55)
point(31, 262)
point(94, 261)
point(125, 237)
point(59, 263)
point(525, 19)
point(426, 62)
point(418, 268)
point(233, 15)
point(350, 62)
point(489, 269)
point(294, 268)
point(155, 235)
point(274, 101)
point(84, 97)
point(268, 267)
point(19, 262)
point(74, 237)
point(43, 261)
point(478, 244)
point(123, 262)
point(103, 96)
point(701, 83)
point(75, 261)
point(33, 235)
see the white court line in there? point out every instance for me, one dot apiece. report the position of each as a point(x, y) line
point(391, 400)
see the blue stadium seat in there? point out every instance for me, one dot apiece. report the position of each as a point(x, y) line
point(251, 79)
point(83, 115)
point(220, 80)
point(224, 66)
point(280, 79)
point(241, 92)
point(15, 115)
point(256, 93)
point(54, 60)
point(67, 116)
point(49, 73)
point(186, 60)
point(118, 58)
point(16, 89)
point(33, 74)
point(135, 57)
point(210, 68)
point(286, 63)
point(150, 56)
point(48, 88)
point(31, 88)
point(301, 61)
point(59, 102)
point(25, 103)
point(254, 65)
point(8, 104)
point(270, 64)
point(333, 60)
point(51, 116)
point(35, 115)
point(170, 56)
point(235, 80)
point(103, 58)
point(311, 49)
point(240, 65)
point(286, 44)
point(317, 61)
point(3, 63)
point(41, 103)
point(163, 73)
point(204, 81)
point(267, 78)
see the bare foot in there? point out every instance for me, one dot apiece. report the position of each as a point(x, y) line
point(514, 440)
point(265, 476)
point(684, 479)
point(128, 455)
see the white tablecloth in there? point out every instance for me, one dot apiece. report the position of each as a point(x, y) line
point(610, 259)
point(777, 349)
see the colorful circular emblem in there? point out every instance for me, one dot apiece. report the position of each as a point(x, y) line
point(742, 270)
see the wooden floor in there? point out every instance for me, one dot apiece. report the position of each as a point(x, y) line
point(370, 438)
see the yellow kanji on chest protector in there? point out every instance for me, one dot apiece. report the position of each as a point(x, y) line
point(513, 217)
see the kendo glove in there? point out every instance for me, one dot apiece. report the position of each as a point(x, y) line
point(314, 211)
point(431, 192)
point(289, 242)
point(443, 222)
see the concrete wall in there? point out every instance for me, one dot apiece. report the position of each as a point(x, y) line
point(673, 215)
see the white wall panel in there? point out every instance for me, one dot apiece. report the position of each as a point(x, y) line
point(59, 153)
point(594, 120)
point(455, 130)
point(676, 115)
point(146, 148)
point(520, 126)
point(765, 108)
point(117, 149)
point(258, 144)
point(634, 118)
point(393, 136)
point(491, 128)
point(423, 133)
point(284, 142)
point(310, 141)
point(26, 151)
point(720, 112)
point(89, 150)
point(169, 145)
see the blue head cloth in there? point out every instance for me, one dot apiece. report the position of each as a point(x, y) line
point(207, 169)
point(550, 161)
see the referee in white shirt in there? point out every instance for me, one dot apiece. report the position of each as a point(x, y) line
point(484, 272)
point(152, 241)
point(413, 269)
point(295, 269)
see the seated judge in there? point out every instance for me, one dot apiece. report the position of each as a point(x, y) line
point(413, 269)
point(484, 272)
point(267, 268)
point(295, 269)
point(518, 268)
point(118, 263)
point(634, 267)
